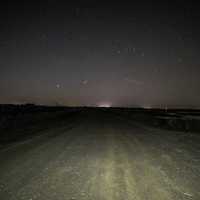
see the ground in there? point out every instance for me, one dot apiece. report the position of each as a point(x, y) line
point(102, 156)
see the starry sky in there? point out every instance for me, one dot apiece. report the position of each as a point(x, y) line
point(92, 54)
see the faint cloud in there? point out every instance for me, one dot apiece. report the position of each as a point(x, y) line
point(134, 81)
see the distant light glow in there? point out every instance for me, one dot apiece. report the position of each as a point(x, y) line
point(105, 105)
point(147, 107)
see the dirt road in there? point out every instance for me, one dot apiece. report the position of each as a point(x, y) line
point(102, 157)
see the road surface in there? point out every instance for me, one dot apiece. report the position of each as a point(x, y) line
point(102, 157)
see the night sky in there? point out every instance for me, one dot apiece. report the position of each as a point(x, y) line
point(92, 54)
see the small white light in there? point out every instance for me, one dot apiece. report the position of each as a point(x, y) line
point(58, 85)
point(85, 82)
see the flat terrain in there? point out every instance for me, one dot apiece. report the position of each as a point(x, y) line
point(101, 156)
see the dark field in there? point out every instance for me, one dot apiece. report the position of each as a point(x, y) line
point(25, 121)
point(99, 153)
point(171, 119)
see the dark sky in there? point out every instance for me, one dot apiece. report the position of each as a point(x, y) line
point(145, 54)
